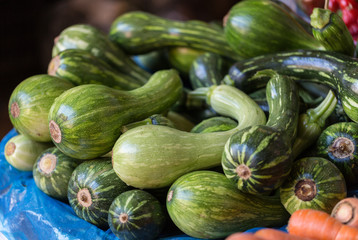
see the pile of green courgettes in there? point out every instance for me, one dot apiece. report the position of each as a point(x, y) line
point(217, 128)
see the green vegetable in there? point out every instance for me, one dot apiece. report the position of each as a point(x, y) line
point(163, 154)
point(332, 69)
point(92, 40)
point(21, 152)
point(258, 27)
point(214, 124)
point(312, 123)
point(81, 67)
point(156, 119)
point(206, 70)
point(136, 214)
point(181, 58)
point(30, 103)
point(139, 32)
point(52, 172)
point(315, 183)
point(205, 204)
point(338, 143)
point(259, 158)
point(92, 188)
point(329, 29)
point(85, 121)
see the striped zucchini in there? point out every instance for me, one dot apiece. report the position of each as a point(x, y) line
point(259, 158)
point(329, 29)
point(206, 70)
point(21, 151)
point(139, 32)
point(136, 214)
point(205, 204)
point(92, 188)
point(314, 183)
point(181, 58)
point(92, 40)
point(85, 121)
point(163, 154)
point(30, 103)
point(257, 27)
point(214, 124)
point(338, 143)
point(52, 172)
point(334, 70)
point(81, 67)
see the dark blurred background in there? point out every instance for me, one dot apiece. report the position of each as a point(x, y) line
point(28, 28)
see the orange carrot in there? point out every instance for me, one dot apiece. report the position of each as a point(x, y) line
point(275, 234)
point(346, 211)
point(243, 236)
point(314, 224)
point(347, 232)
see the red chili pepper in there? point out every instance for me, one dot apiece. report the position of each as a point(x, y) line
point(349, 9)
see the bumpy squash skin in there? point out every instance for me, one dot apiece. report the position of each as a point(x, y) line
point(338, 143)
point(30, 103)
point(136, 214)
point(205, 204)
point(86, 121)
point(315, 183)
point(92, 188)
point(52, 172)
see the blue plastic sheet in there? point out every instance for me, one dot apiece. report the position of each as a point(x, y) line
point(26, 213)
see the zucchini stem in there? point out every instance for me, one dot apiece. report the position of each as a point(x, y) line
point(311, 124)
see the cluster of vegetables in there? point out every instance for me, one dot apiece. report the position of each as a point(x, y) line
point(237, 126)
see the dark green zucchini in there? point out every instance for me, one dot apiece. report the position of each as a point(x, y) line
point(205, 204)
point(338, 143)
point(163, 154)
point(259, 158)
point(85, 121)
point(52, 172)
point(21, 151)
point(314, 183)
point(30, 103)
point(214, 124)
point(312, 123)
point(136, 214)
point(139, 32)
point(91, 39)
point(257, 27)
point(153, 61)
point(92, 188)
point(81, 67)
point(206, 70)
point(329, 29)
point(332, 69)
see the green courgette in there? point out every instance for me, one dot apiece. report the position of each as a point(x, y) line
point(214, 124)
point(315, 183)
point(329, 29)
point(257, 27)
point(94, 41)
point(91, 190)
point(335, 70)
point(81, 67)
point(139, 32)
point(259, 158)
point(52, 172)
point(85, 121)
point(30, 103)
point(338, 143)
point(136, 214)
point(205, 204)
point(163, 154)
